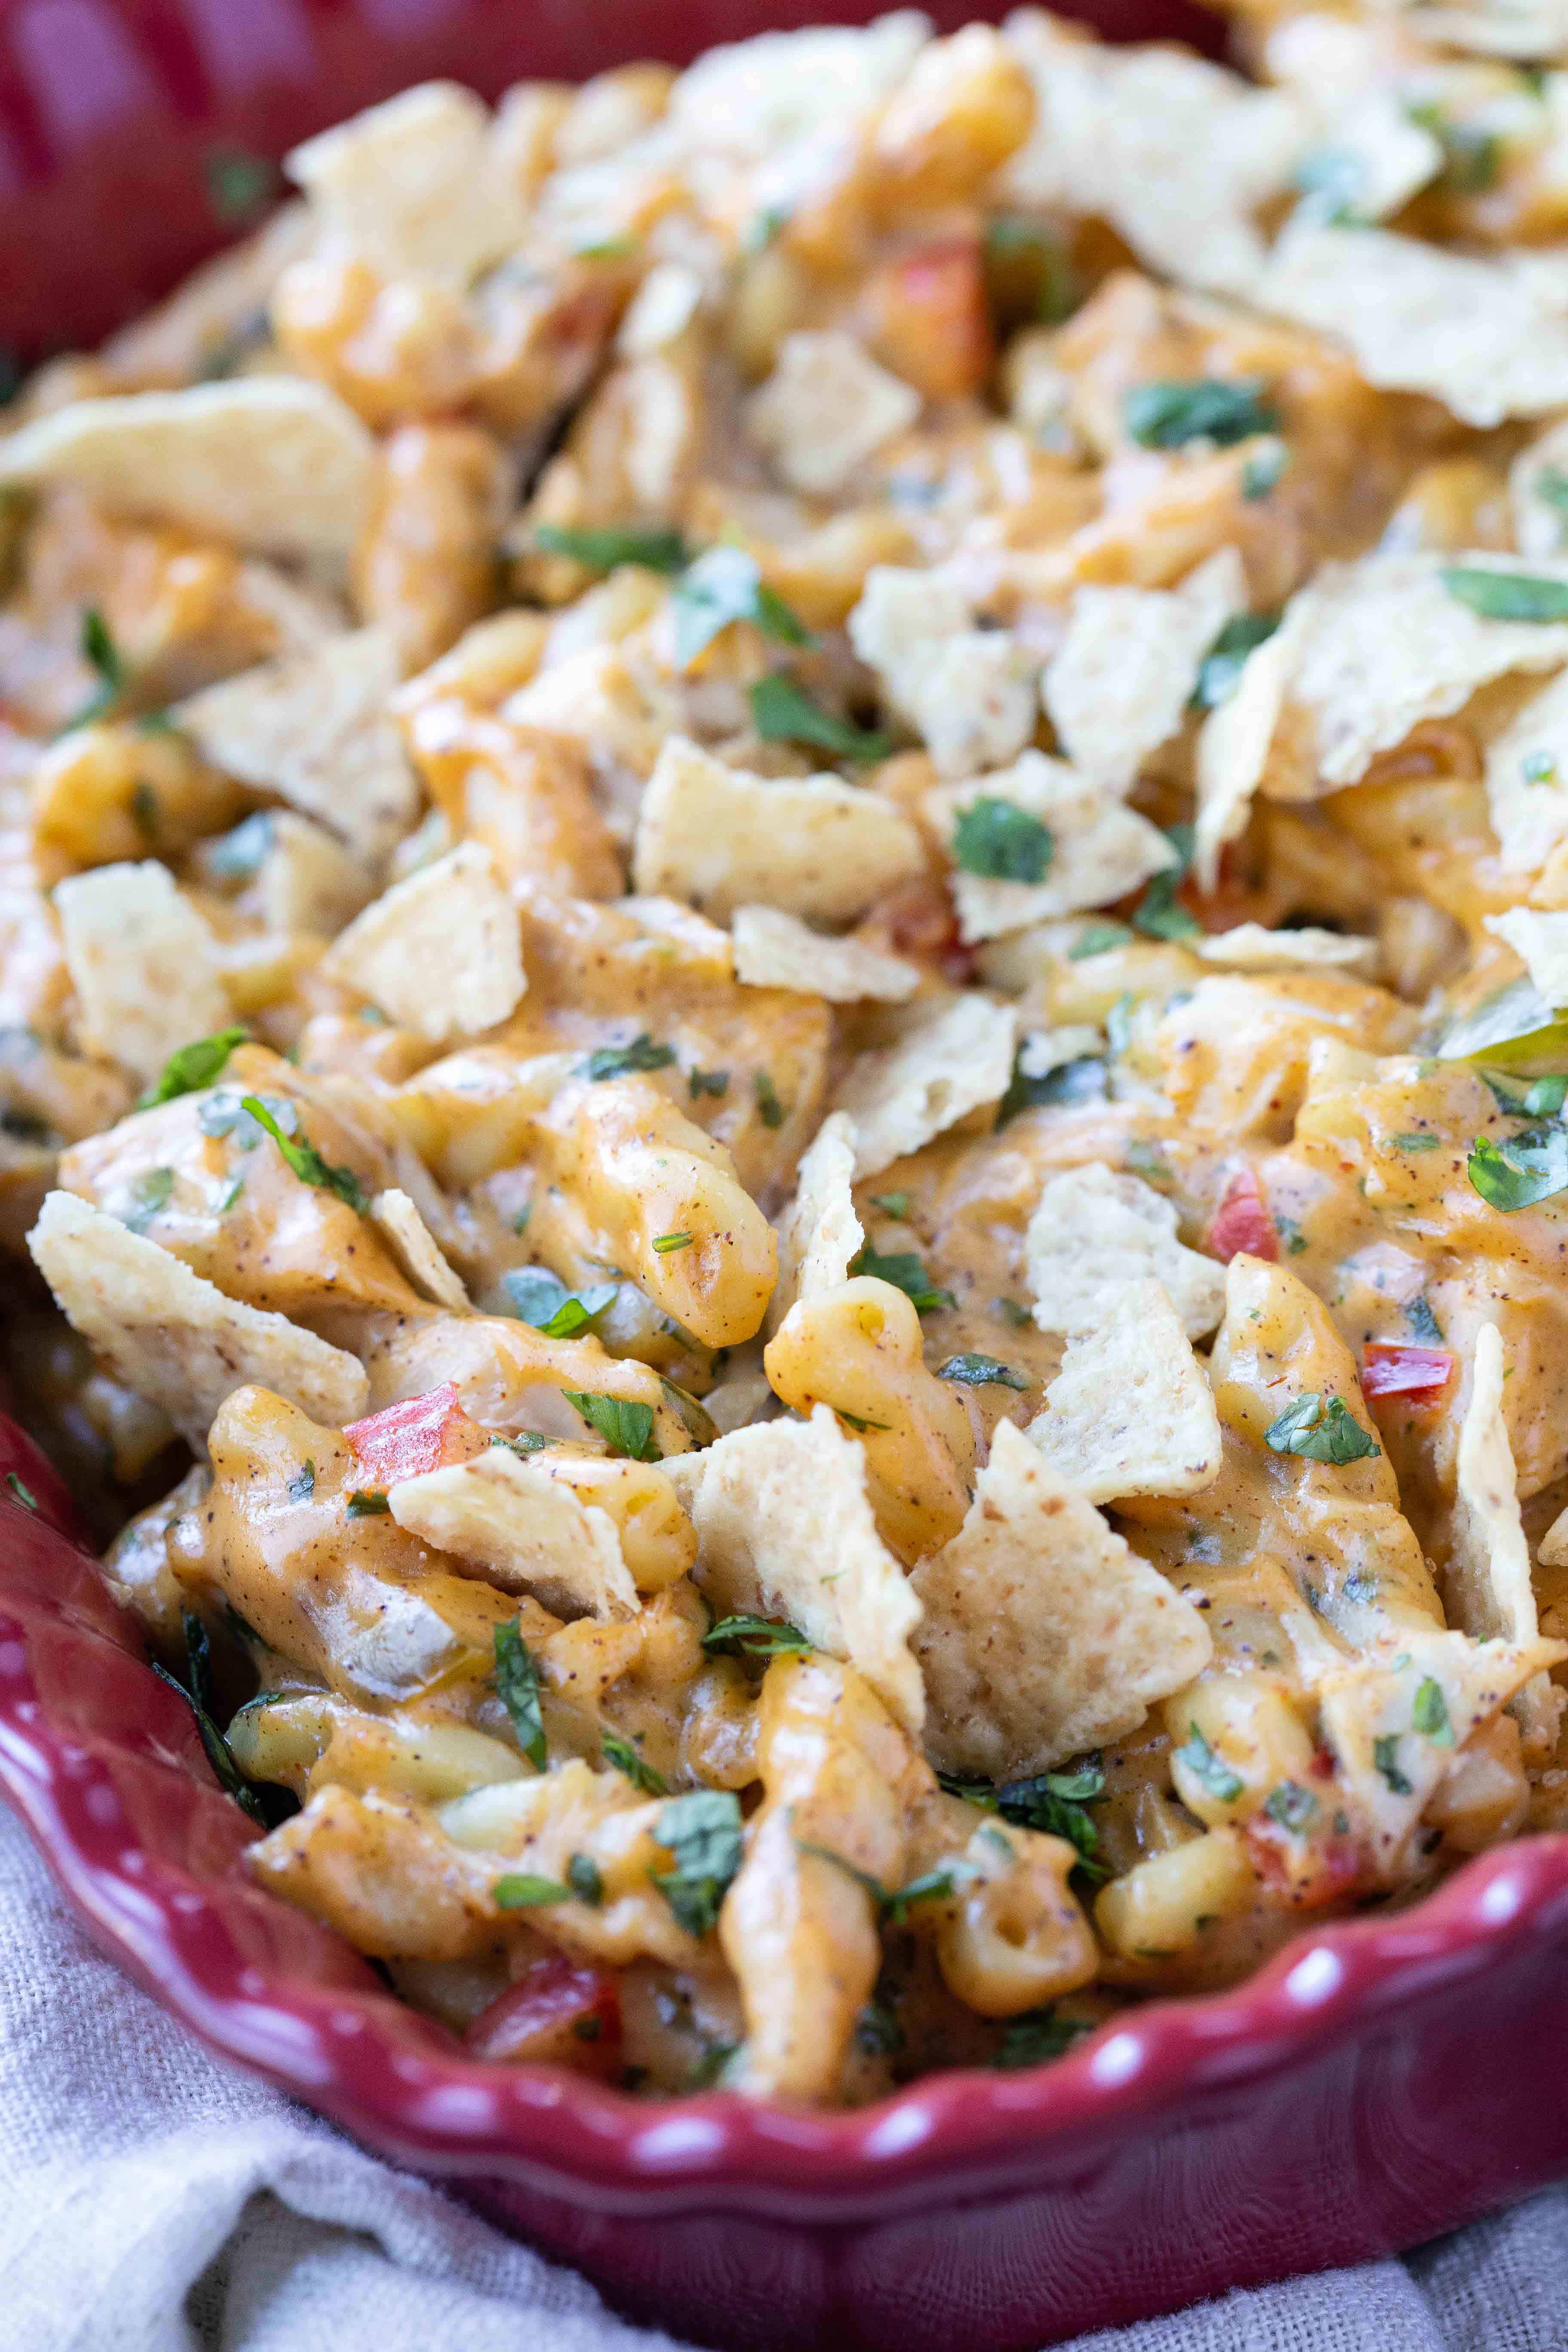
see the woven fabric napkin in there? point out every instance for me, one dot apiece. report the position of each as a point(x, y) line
point(156, 2200)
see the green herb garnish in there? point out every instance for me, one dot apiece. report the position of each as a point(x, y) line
point(1097, 939)
point(723, 586)
point(1171, 411)
point(907, 1273)
point(23, 1493)
point(368, 1503)
point(1429, 1714)
point(219, 1754)
point(1291, 1806)
point(538, 1297)
point(1208, 1767)
point(1219, 673)
point(783, 712)
point(238, 183)
point(1038, 2035)
point(1506, 595)
point(664, 1243)
point(1385, 1752)
point(516, 1680)
point(619, 1061)
point(624, 1757)
point(586, 1879)
point(302, 1485)
point(306, 1161)
point(702, 1835)
point(193, 1066)
point(770, 1110)
point(521, 1890)
point(1082, 1080)
point(976, 1371)
point(1322, 1429)
point(149, 1194)
point(892, 1204)
point(1519, 1172)
point(1001, 842)
point(99, 650)
point(625, 1427)
point(707, 1082)
point(601, 550)
point(1157, 914)
point(754, 1637)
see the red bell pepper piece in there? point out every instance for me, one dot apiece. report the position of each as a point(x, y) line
point(422, 1432)
point(1242, 1221)
point(1391, 1369)
point(559, 2012)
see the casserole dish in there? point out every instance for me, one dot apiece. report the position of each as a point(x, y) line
point(1365, 2089)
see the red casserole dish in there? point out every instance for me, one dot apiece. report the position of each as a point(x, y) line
point(1378, 2083)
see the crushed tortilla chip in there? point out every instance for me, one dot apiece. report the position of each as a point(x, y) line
point(415, 1247)
point(412, 188)
point(1044, 1632)
point(1482, 336)
point(970, 694)
point(1234, 740)
point(946, 1064)
point(1540, 526)
point(1095, 1231)
point(784, 1530)
point(1489, 1587)
point(824, 409)
point(1542, 943)
point(1130, 1412)
point(1253, 946)
point(1175, 153)
point(772, 950)
point(721, 838)
point(529, 1532)
point(1527, 781)
point(314, 729)
point(820, 1233)
point(272, 463)
point(440, 952)
point(1100, 849)
point(1120, 683)
point(142, 963)
point(1388, 1769)
point(307, 881)
point(174, 1338)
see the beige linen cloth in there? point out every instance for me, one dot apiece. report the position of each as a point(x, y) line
point(153, 2199)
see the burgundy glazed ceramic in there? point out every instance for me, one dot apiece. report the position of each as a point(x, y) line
point(1378, 2083)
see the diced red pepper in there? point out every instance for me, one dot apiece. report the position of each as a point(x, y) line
point(558, 2013)
point(1309, 1872)
point(929, 319)
point(1242, 1221)
point(1389, 1368)
point(422, 1432)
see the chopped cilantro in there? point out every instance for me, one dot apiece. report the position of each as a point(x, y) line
point(907, 1273)
point(1099, 939)
point(1001, 842)
point(1506, 595)
point(1013, 1311)
point(1209, 1767)
point(1054, 1802)
point(1219, 673)
point(707, 1082)
point(193, 1066)
point(219, 1754)
point(601, 550)
point(99, 650)
point(754, 1637)
point(770, 1110)
point(1429, 1714)
point(1263, 470)
point(1157, 914)
point(625, 1426)
point(619, 1061)
point(146, 1197)
point(702, 1835)
point(878, 2031)
point(521, 1890)
point(525, 1442)
point(367, 1503)
point(976, 1371)
point(1385, 1752)
point(538, 1297)
point(1416, 1139)
point(306, 1161)
point(1038, 2035)
point(238, 183)
point(857, 1422)
point(783, 712)
point(1423, 1322)
point(664, 1243)
point(1519, 1173)
point(768, 222)
point(302, 1485)
point(723, 586)
point(1171, 411)
point(892, 1204)
point(1081, 1080)
point(1321, 1428)
point(1291, 1805)
point(23, 1493)
point(586, 1879)
point(516, 1680)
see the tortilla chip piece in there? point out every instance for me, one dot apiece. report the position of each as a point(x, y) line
point(174, 1338)
point(1489, 1589)
point(530, 1533)
point(1100, 850)
point(1120, 683)
point(1253, 946)
point(1388, 1769)
point(721, 838)
point(970, 694)
point(1543, 942)
point(416, 1248)
point(774, 950)
point(944, 1065)
point(1044, 1634)
point(142, 964)
point(820, 1233)
point(411, 188)
point(314, 730)
point(1540, 525)
point(1482, 336)
point(1234, 740)
point(270, 463)
point(824, 409)
point(307, 881)
point(1374, 648)
point(1174, 153)
point(440, 952)
point(1131, 1412)
point(1525, 31)
point(1095, 1231)
point(784, 1530)
point(1527, 781)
